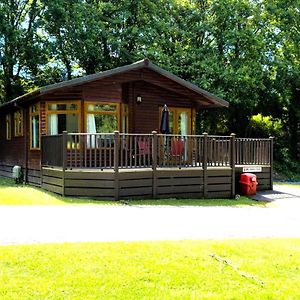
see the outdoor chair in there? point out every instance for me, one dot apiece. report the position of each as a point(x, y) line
point(144, 148)
point(143, 153)
point(177, 150)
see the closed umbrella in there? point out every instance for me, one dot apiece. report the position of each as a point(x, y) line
point(164, 123)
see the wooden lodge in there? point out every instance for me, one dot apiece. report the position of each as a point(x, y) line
point(98, 136)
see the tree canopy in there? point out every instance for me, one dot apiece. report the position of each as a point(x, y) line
point(245, 51)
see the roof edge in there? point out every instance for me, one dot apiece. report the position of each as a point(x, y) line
point(146, 63)
point(92, 77)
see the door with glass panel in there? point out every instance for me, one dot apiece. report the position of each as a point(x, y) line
point(180, 120)
point(101, 120)
point(180, 124)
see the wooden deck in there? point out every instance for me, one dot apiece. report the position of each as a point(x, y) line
point(150, 166)
point(146, 183)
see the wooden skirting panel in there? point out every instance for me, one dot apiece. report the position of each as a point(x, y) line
point(96, 185)
point(34, 177)
point(6, 171)
point(135, 184)
point(93, 184)
point(219, 183)
point(146, 183)
point(179, 183)
point(52, 180)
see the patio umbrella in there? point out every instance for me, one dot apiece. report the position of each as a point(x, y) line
point(164, 122)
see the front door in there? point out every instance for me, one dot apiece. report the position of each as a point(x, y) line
point(180, 120)
point(180, 124)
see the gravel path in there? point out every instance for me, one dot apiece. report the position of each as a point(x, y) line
point(82, 223)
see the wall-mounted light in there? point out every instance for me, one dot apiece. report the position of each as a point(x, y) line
point(138, 99)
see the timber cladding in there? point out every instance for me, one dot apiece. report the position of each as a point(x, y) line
point(138, 184)
point(33, 176)
point(6, 170)
point(98, 185)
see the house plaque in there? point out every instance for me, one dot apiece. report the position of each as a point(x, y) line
point(252, 169)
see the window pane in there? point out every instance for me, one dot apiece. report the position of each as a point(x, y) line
point(35, 131)
point(34, 108)
point(102, 107)
point(57, 123)
point(106, 123)
point(8, 127)
point(183, 123)
point(71, 106)
point(171, 121)
point(18, 122)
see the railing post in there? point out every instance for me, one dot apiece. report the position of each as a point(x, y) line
point(271, 161)
point(64, 158)
point(154, 164)
point(232, 163)
point(204, 164)
point(116, 163)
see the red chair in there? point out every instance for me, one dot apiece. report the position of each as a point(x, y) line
point(177, 148)
point(144, 148)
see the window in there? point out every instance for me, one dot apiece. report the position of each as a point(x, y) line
point(34, 127)
point(102, 117)
point(62, 116)
point(8, 127)
point(125, 120)
point(18, 122)
point(179, 120)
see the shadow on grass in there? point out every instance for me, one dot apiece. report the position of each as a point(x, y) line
point(242, 201)
point(19, 194)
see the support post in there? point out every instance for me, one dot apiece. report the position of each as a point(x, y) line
point(154, 164)
point(64, 158)
point(26, 121)
point(271, 161)
point(232, 163)
point(116, 163)
point(204, 164)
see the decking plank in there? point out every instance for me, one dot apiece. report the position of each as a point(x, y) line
point(89, 183)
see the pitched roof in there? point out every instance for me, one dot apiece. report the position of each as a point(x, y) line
point(145, 63)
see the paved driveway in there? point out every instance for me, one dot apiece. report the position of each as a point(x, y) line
point(47, 224)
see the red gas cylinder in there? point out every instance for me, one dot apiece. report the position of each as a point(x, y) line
point(248, 184)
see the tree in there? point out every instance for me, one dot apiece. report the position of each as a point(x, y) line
point(21, 49)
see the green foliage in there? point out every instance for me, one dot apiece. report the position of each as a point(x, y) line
point(265, 126)
point(246, 52)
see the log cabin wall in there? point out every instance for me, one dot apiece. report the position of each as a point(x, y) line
point(11, 151)
point(143, 118)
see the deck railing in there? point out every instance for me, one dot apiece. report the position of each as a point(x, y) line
point(126, 151)
point(253, 151)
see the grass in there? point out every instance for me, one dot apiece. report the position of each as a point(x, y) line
point(290, 184)
point(236, 269)
point(242, 201)
point(12, 194)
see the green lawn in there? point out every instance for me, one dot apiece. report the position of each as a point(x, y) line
point(237, 269)
point(18, 194)
point(12, 194)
